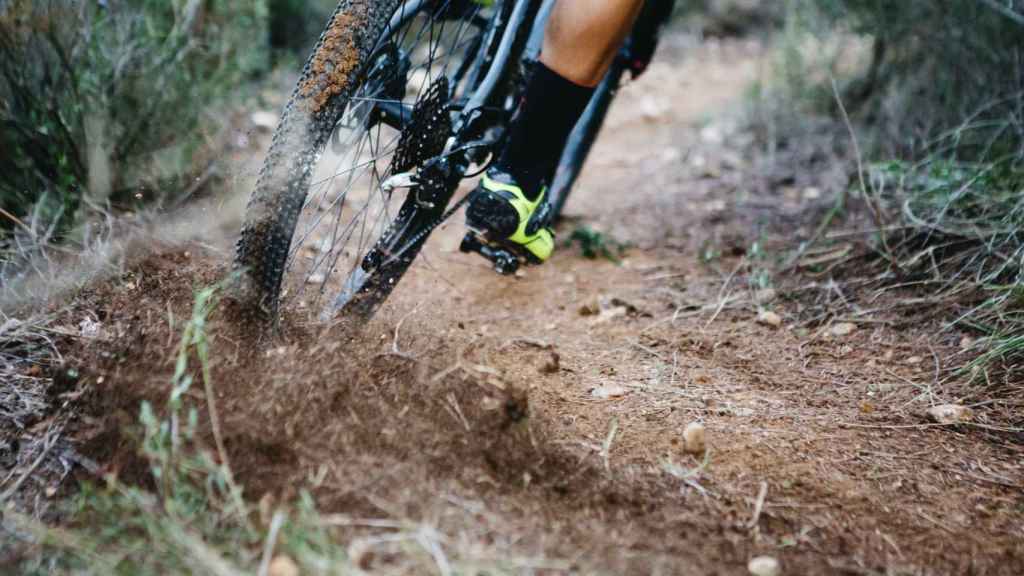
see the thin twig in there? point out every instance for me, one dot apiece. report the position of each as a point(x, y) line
point(1005, 11)
point(16, 220)
point(606, 448)
point(398, 326)
point(53, 436)
point(268, 547)
point(758, 505)
point(722, 300)
point(869, 200)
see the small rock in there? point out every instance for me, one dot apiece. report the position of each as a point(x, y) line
point(10, 325)
point(712, 134)
point(695, 439)
point(490, 404)
point(914, 360)
point(950, 413)
point(769, 318)
point(671, 155)
point(812, 193)
point(89, 328)
point(652, 109)
point(264, 120)
point(609, 391)
point(842, 329)
point(315, 279)
point(764, 566)
point(283, 566)
point(966, 343)
point(609, 314)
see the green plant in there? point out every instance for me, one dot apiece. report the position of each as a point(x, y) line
point(927, 88)
point(193, 518)
point(594, 244)
point(960, 234)
point(108, 101)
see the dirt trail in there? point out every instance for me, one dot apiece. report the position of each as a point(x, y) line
point(818, 455)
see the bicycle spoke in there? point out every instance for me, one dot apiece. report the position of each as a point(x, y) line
point(347, 213)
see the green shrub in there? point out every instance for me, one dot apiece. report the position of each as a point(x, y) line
point(108, 101)
point(959, 235)
point(936, 85)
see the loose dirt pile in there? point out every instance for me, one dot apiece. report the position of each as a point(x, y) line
point(541, 419)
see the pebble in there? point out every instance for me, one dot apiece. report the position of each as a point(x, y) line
point(283, 566)
point(764, 566)
point(695, 439)
point(769, 318)
point(609, 391)
point(843, 328)
point(950, 413)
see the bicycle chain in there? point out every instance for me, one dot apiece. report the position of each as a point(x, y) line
point(431, 226)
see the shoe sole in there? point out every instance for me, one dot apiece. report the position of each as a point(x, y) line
point(493, 214)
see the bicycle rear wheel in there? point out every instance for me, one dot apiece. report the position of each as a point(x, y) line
point(323, 233)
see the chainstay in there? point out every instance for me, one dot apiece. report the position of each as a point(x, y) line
point(433, 224)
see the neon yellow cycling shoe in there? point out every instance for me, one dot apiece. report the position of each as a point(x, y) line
point(501, 211)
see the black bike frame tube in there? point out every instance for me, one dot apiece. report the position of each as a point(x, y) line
point(502, 58)
point(582, 137)
point(540, 24)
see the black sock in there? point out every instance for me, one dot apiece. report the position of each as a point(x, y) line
point(551, 107)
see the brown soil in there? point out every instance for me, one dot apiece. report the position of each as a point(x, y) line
point(469, 404)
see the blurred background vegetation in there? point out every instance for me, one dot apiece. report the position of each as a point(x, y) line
point(111, 103)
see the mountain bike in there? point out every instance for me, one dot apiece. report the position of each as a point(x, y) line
point(400, 102)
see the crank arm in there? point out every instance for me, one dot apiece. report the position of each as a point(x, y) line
point(504, 261)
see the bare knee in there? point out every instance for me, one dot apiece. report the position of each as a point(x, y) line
point(583, 36)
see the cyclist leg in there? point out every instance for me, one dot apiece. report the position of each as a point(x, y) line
point(583, 36)
point(580, 43)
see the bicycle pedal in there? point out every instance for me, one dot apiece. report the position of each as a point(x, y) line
point(505, 259)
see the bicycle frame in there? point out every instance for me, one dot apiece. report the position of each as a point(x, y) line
point(496, 55)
